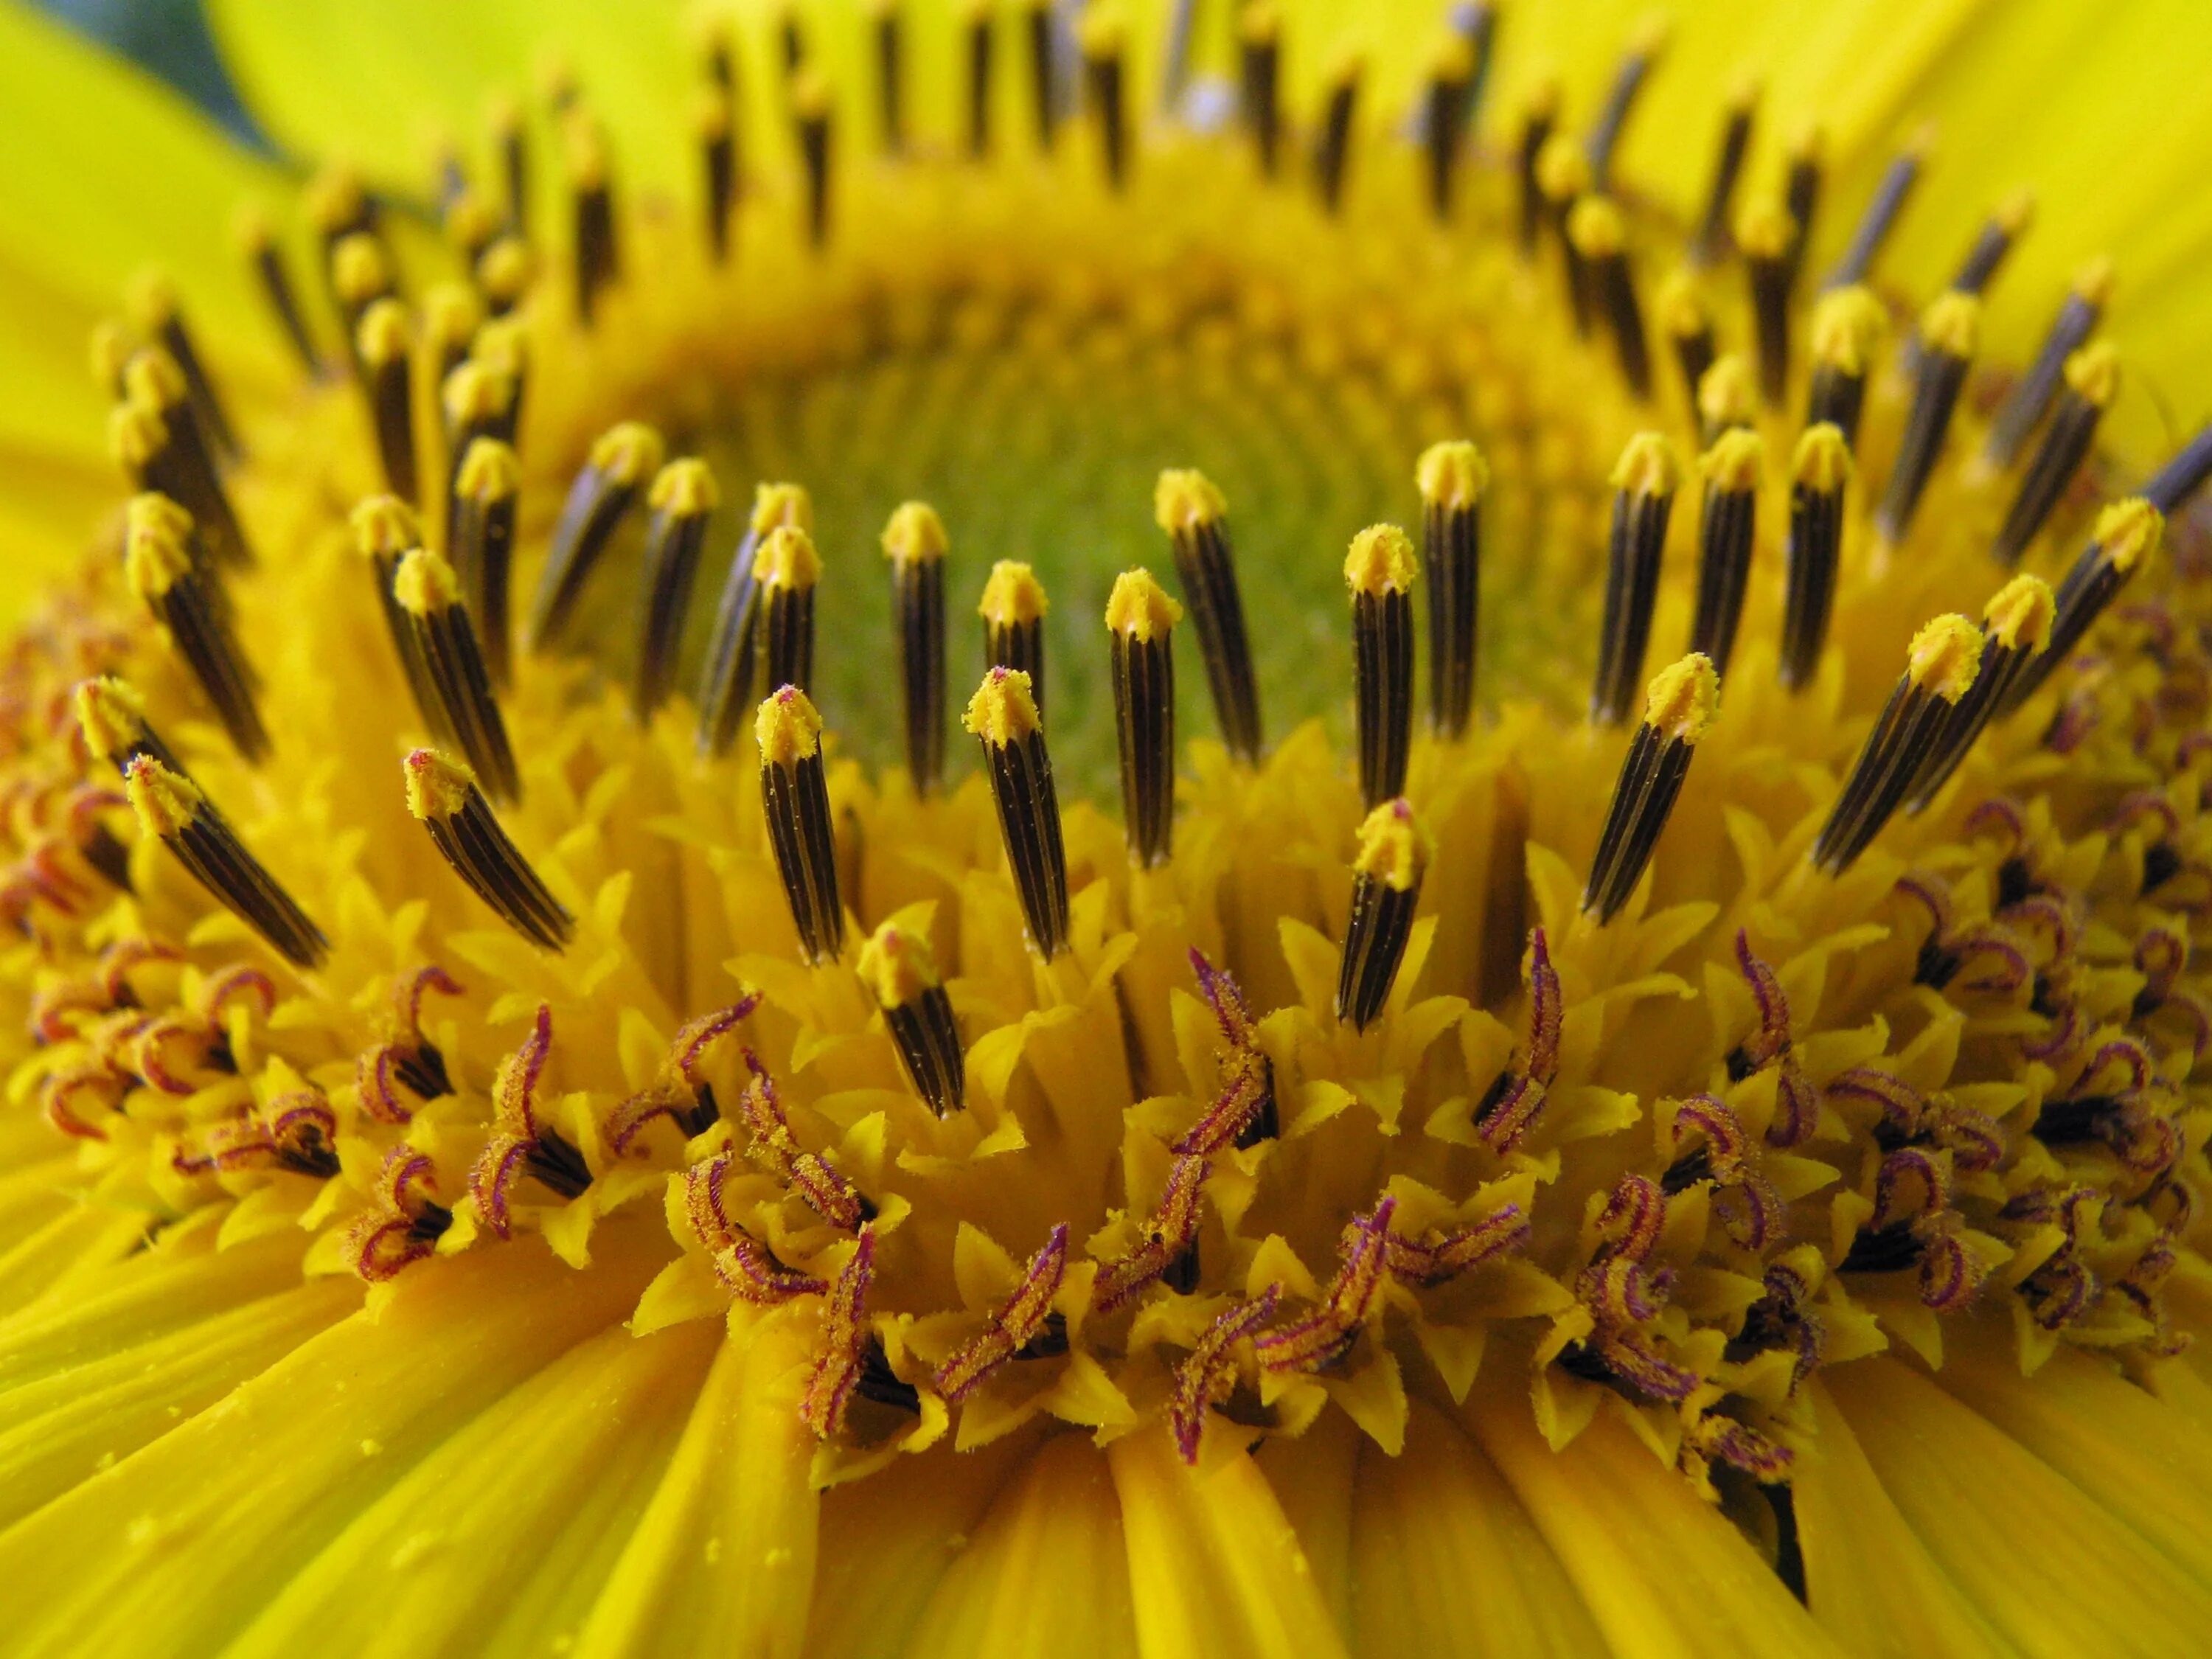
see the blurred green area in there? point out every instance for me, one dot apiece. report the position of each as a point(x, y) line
point(171, 39)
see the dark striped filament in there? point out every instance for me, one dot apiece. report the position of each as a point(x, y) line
point(1620, 101)
point(170, 806)
point(1333, 148)
point(915, 543)
point(1941, 668)
point(2127, 533)
point(898, 966)
point(1819, 473)
point(1685, 317)
point(891, 77)
point(1879, 219)
point(1949, 331)
point(1381, 570)
point(443, 794)
point(795, 801)
point(1766, 236)
point(682, 501)
point(154, 303)
point(1709, 246)
point(385, 530)
point(186, 599)
point(1260, 59)
point(810, 107)
point(980, 45)
point(1679, 709)
point(1801, 192)
point(464, 711)
point(1847, 329)
point(2015, 629)
point(598, 255)
point(1196, 519)
point(383, 350)
point(259, 243)
point(1002, 715)
point(1726, 532)
point(2093, 380)
point(716, 126)
point(1599, 238)
point(1013, 609)
point(729, 681)
point(1727, 398)
point(1445, 101)
point(162, 446)
point(1452, 476)
point(1562, 173)
point(2077, 318)
point(1999, 233)
point(1044, 79)
point(614, 479)
point(1102, 37)
point(483, 542)
point(1393, 857)
point(788, 570)
point(1539, 114)
point(1644, 482)
point(1140, 620)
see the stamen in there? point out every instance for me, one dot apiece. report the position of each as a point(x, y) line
point(1324, 1337)
point(1725, 534)
point(382, 349)
point(1442, 121)
point(742, 1264)
point(1562, 173)
point(154, 307)
point(170, 805)
point(1209, 1375)
point(810, 108)
point(1599, 238)
point(1726, 398)
point(406, 1221)
point(486, 490)
point(898, 968)
point(452, 314)
point(1801, 192)
point(1539, 116)
point(599, 256)
point(361, 274)
point(158, 562)
point(258, 241)
point(1881, 218)
point(1452, 477)
point(622, 464)
point(1847, 327)
point(1380, 570)
point(795, 800)
point(1613, 116)
point(847, 1343)
point(1166, 1250)
point(787, 570)
point(1819, 473)
point(915, 543)
point(729, 677)
point(385, 530)
point(476, 401)
point(1044, 89)
point(813, 1179)
point(1993, 242)
point(1711, 243)
point(1643, 485)
point(980, 42)
point(1766, 235)
point(1196, 519)
point(504, 121)
point(1941, 667)
point(158, 442)
point(113, 717)
point(1680, 708)
point(1948, 331)
point(2126, 534)
point(1139, 618)
point(110, 354)
point(503, 275)
point(1015, 1327)
point(682, 499)
point(1099, 33)
point(2015, 629)
point(891, 79)
point(1332, 151)
point(1244, 1113)
point(2183, 476)
point(1002, 714)
point(2077, 318)
point(472, 225)
point(716, 127)
point(1013, 610)
point(2093, 380)
point(429, 595)
point(1386, 887)
point(521, 1141)
point(1687, 321)
point(445, 797)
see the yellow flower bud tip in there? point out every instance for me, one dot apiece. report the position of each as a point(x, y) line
point(1347, 65)
point(1101, 31)
point(1381, 561)
point(156, 554)
point(1822, 461)
point(1646, 466)
point(474, 392)
point(1185, 499)
point(470, 221)
point(1733, 462)
point(505, 268)
point(1259, 23)
point(2093, 374)
point(1004, 711)
point(452, 313)
point(1764, 230)
point(335, 198)
point(249, 229)
point(1684, 699)
point(1683, 308)
point(584, 151)
point(684, 489)
point(1394, 847)
point(154, 513)
point(384, 527)
point(787, 727)
point(710, 115)
point(1945, 656)
point(359, 270)
point(2129, 531)
point(810, 95)
point(425, 585)
point(787, 558)
point(896, 965)
point(1452, 474)
point(2014, 214)
point(1727, 395)
point(1562, 168)
point(1013, 597)
point(110, 354)
point(151, 299)
point(1807, 142)
point(381, 338)
point(136, 435)
point(502, 346)
point(152, 380)
point(167, 802)
point(111, 714)
point(1952, 324)
point(1847, 324)
point(627, 454)
point(437, 789)
point(490, 472)
point(914, 535)
point(1140, 608)
point(2019, 614)
point(2092, 283)
point(777, 504)
point(1595, 227)
point(1452, 58)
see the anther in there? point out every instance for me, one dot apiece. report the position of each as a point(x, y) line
point(729, 677)
point(452, 314)
point(161, 442)
point(1386, 888)
point(1949, 330)
point(1003, 714)
point(787, 569)
point(2015, 629)
point(338, 206)
point(1847, 327)
point(1679, 709)
point(472, 224)
point(112, 718)
point(1380, 570)
point(1643, 485)
point(361, 274)
point(1944, 661)
point(621, 465)
point(1819, 473)
point(1613, 116)
point(504, 125)
point(1801, 192)
point(1333, 151)
point(428, 595)
point(914, 543)
point(2002, 229)
point(1726, 398)
point(891, 77)
point(476, 401)
point(1013, 609)
point(2092, 380)
point(2077, 318)
point(159, 564)
point(795, 800)
point(898, 969)
point(1879, 219)
point(1196, 520)
point(2126, 534)
point(1023, 1324)
point(1099, 33)
point(1709, 246)
point(716, 127)
point(682, 499)
point(444, 795)
point(1443, 127)
point(482, 541)
point(154, 308)
point(848, 1344)
point(1686, 319)
point(1044, 71)
point(1726, 532)
point(258, 242)
point(981, 43)
point(809, 109)
point(111, 347)
point(1452, 477)
point(385, 530)
point(1767, 236)
point(1538, 118)
point(598, 253)
point(382, 349)
point(1139, 620)
point(1598, 237)
point(503, 275)
point(1563, 173)
point(171, 807)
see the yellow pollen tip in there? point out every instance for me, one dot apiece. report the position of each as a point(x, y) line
point(136, 434)
point(777, 504)
point(1140, 608)
point(684, 489)
point(359, 270)
point(787, 727)
point(1595, 227)
point(710, 115)
point(1733, 462)
point(1764, 230)
point(437, 789)
point(152, 512)
point(425, 585)
point(1183, 500)
point(1725, 393)
point(505, 268)
point(167, 802)
point(156, 557)
point(2014, 214)
point(470, 220)
point(2094, 373)
point(474, 391)
point(810, 95)
point(381, 339)
point(111, 715)
point(249, 229)
point(787, 559)
point(1259, 23)
point(1100, 32)
point(152, 300)
point(2093, 282)
point(152, 380)
point(1684, 699)
point(334, 197)
point(896, 966)
point(110, 353)
point(584, 149)
point(1452, 474)
point(452, 313)
point(1003, 711)
point(2019, 614)
point(1952, 324)
point(629, 453)
point(1822, 462)
point(1562, 170)
point(1945, 656)
point(1012, 596)
point(1394, 847)
point(384, 527)
point(1453, 58)
point(913, 534)
point(1381, 561)
point(1683, 309)
point(1646, 466)
point(1807, 142)
point(2129, 531)
point(1846, 325)
point(490, 472)
point(502, 345)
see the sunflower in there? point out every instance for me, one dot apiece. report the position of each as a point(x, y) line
point(1607, 1073)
